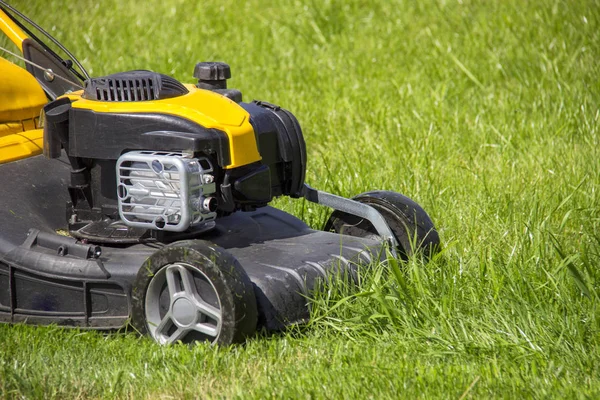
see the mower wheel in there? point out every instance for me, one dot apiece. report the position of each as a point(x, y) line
point(410, 224)
point(193, 291)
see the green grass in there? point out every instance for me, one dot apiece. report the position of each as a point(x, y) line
point(484, 112)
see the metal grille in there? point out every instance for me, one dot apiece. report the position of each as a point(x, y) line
point(163, 190)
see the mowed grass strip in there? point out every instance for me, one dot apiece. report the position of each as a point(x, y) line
point(484, 112)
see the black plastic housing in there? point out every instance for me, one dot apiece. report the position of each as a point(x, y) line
point(46, 278)
point(281, 145)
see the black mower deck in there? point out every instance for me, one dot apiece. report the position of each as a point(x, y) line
point(48, 278)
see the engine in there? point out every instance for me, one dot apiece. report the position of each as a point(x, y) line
point(151, 157)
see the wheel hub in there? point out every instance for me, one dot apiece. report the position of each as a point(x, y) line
point(184, 312)
point(188, 311)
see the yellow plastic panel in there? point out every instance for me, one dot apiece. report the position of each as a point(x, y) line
point(206, 108)
point(8, 128)
point(21, 97)
point(21, 100)
point(15, 146)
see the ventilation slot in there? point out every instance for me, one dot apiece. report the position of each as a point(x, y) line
point(133, 86)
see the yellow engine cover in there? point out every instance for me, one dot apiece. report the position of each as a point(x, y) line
point(206, 108)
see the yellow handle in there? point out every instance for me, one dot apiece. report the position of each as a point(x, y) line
point(12, 30)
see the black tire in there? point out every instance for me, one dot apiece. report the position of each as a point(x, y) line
point(198, 292)
point(410, 224)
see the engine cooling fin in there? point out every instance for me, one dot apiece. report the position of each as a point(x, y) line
point(133, 86)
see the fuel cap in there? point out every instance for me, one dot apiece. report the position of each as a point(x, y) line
point(212, 75)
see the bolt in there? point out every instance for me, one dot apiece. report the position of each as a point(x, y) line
point(48, 75)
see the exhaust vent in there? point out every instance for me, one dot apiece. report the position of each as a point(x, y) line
point(133, 86)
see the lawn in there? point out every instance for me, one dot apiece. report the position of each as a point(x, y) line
point(484, 112)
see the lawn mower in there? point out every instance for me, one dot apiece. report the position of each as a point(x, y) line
point(133, 200)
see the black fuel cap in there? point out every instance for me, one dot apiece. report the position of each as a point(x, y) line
point(212, 75)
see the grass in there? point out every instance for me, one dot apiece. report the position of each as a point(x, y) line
point(484, 112)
